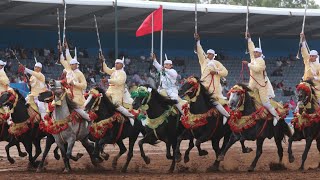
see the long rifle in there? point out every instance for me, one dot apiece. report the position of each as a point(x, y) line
point(99, 42)
point(302, 29)
point(59, 36)
point(247, 24)
point(195, 23)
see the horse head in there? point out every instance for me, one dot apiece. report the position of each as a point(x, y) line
point(93, 101)
point(305, 92)
point(237, 95)
point(140, 96)
point(190, 88)
point(8, 98)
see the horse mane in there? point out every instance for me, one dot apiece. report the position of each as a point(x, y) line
point(314, 100)
point(20, 97)
point(71, 104)
point(106, 101)
point(245, 87)
point(205, 92)
point(163, 100)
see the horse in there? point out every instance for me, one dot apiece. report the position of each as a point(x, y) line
point(243, 105)
point(207, 123)
point(110, 127)
point(306, 122)
point(161, 123)
point(66, 125)
point(24, 128)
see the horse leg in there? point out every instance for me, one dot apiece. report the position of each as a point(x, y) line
point(149, 138)
point(21, 154)
point(244, 148)
point(168, 154)
point(184, 135)
point(103, 154)
point(63, 153)
point(50, 140)
point(305, 153)
point(123, 149)
point(27, 142)
point(90, 149)
point(259, 143)
point(233, 139)
point(11, 143)
point(280, 149)
point(216, 148)
point(37, 145)
point(318, 147)
point(173, 163)
point(56, 153)
point(186, 154)
point(132, 140)
point(290, 154)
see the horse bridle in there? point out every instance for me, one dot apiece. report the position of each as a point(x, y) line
point(242, 94)
point(97, 96)
point(12, 99)
point(306, 88)
point(195, 88)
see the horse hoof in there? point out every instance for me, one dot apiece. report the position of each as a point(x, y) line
point(123, 170)
point(291, 159)
point(247, 150)
point(23, 154)
point(170, 171)
point(178, 157)
point(251, 169)
point(203, 153)
point(220, 158)
point(186, 159)
point(169, 157)
point(96, 160)
point(146, 160)
point(11, 160)
point(66, 170)
point(301, 168)
point(56, 156)
point(39, 170)
point(212, 169)
point(105, 156)
point(79, 155)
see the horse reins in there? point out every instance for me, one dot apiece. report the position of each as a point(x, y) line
point(247, 69)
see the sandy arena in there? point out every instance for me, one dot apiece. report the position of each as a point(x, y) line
point(234, 167)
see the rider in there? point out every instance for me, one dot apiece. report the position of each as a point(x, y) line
point(259, 79)
point(76, 81)
point(312, 67)
point(168, 80)
point(117, 90)
point(4, 80)
point(211, 73)
point(37, 85)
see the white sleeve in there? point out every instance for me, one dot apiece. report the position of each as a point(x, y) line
point(304, 44)
point(157, 65)
point(172, 73)
point(29, 71)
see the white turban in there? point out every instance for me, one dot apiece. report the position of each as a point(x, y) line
point(74, 61)
point(257, 50)
point(38, 65)
point(2, 63)
point(167, 61)
point(313, 53)
point(211, 51)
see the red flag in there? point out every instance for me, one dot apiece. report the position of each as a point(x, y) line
point(146, 26)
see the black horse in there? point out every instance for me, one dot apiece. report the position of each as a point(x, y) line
point(162, 122)
point(99, 104)
point(16, 102)
point(201, 104)
point(239, 96)
point(309, 130)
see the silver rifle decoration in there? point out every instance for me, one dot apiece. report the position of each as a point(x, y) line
point(98, 35)
point(247, 24)
point(64, 22)
point(99, 42)
point(302, 30)
point(59, 35)
point(195, 23)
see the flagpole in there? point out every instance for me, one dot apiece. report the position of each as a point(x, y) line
point(152, 35)
point(161, 41)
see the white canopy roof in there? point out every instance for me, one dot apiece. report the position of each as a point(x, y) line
point(178, 17)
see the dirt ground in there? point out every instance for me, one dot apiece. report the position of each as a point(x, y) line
point(234, 167)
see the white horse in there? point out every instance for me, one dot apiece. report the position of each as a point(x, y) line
point(76, 128)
